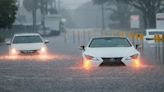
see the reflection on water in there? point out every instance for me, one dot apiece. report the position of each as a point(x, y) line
point(159, 53)
point(43, 58)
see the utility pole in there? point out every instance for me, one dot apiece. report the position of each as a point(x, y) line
point(43, 16)
point(103, 17)
point(34, 16)
point(59, 6)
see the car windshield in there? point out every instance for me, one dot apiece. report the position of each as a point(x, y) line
point(154, 33)
point(27, 39)
point(110, 42)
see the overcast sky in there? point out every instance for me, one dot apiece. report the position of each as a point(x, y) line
point(73, 4)
point(70, 4)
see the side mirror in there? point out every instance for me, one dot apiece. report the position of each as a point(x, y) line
point(46, 41)
point(8, 43)
point(82, 47)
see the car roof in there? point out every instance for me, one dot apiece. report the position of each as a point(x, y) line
point(152, 30)
point(27, 34)
point(108, 37)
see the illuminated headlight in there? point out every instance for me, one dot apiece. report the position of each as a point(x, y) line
point(134, 56)
point(88, 57)
point(43, 50)
point(13, 51)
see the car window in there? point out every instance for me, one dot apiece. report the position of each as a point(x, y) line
point(110, 42)
point(153, 33)
point(27, 39)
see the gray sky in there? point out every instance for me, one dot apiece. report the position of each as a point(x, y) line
point(70, 4)
point(73, 4)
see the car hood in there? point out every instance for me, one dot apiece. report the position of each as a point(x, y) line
point(28, 46)
point(111, 52)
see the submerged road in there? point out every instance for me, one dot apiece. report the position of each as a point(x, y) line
point(62, 72)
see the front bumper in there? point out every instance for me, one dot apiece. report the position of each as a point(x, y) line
point(110, 62)
point(27, 52)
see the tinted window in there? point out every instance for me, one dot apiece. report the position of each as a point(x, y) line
point(110, 42)
point(154, 33)
point(27, 39)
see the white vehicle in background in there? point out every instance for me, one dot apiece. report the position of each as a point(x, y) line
point(52, 25)
point(150, 33)
point(109, 51)
point(27, 43)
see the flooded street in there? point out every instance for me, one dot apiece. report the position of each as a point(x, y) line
point(63, 72)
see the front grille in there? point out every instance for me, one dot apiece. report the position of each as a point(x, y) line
point(112, 62)
point(28, 52)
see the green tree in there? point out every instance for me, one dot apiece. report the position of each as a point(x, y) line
point(149, 9)
point(120, 12)
point(8, 10)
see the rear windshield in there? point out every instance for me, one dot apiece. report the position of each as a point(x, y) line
point(154, 33)
point(110, 42)
point(27, 39)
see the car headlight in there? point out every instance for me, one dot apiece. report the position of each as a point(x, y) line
point(88, 57)
point(134, 56)
point(13, 51)
point(43, 50)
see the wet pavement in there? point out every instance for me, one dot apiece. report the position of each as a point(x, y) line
point(64, 73)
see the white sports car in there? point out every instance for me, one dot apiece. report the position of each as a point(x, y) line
point(27, 43)
point(109, 51)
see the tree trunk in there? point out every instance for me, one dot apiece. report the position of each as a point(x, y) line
point(151, 19)
point(123, 12)
point(145, 20)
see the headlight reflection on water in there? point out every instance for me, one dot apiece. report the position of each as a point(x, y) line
point(140, 64)
point(137, 63)
point(87, 64)
point(47, 57)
